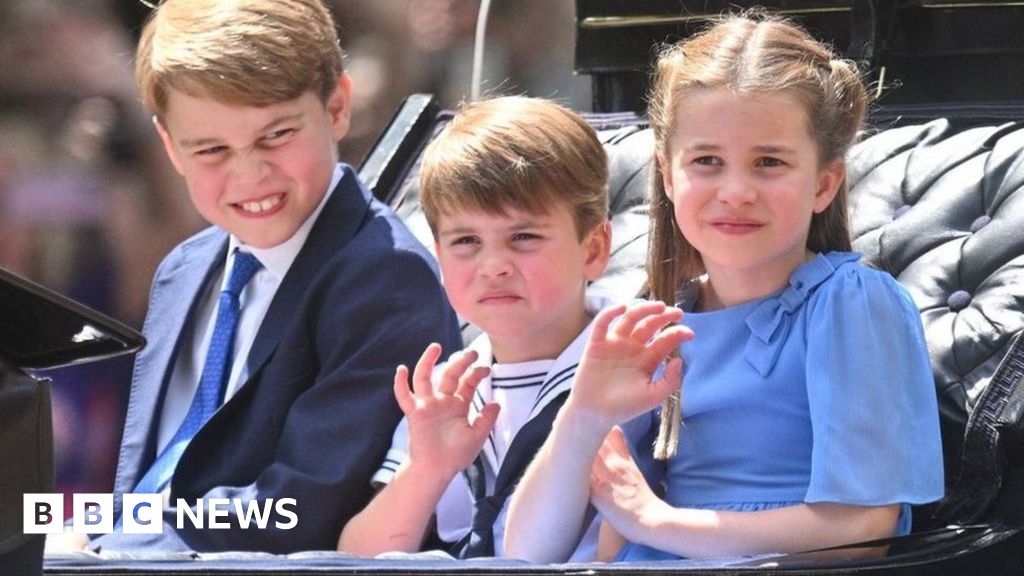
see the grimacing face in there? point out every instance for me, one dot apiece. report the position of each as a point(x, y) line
point(256, 172)
point(520, 277)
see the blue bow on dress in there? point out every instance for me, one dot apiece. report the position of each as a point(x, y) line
point(771, 321)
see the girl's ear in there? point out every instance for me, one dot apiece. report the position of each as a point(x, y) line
point(666, 173)
point(830, 178)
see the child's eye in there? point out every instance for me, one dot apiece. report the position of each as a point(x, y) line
point(769, 162)
point(465, 241)
point(278, 135)
point(525, 236)
point(708, 161)
point(212, 151)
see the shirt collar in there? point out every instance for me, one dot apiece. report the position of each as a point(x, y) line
point(559, 376)
point(558, 380)
point(278, 259)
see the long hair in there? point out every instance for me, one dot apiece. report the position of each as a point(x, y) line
point(750, 55)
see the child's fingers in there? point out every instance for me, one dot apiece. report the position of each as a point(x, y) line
point(614, 446)
point(454, 370)
point(484, 422)
point(669, 382)
point(648, 326)
point(599, 472)
point(665, 343)
point(424, 368)
point(603, 321)
point(402, 393)
point(469, 381)
point(603, 451)
point(627, 323)
point(616, 442)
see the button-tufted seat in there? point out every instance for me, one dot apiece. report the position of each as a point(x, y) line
point(943, 211)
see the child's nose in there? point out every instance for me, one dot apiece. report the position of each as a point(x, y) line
point(737, 189)
point(248, 168)
point(496, 264)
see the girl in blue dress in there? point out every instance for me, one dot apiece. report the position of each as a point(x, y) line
point(808, 418)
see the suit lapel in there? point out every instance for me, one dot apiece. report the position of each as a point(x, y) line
point(201, 258)
point(342, 216)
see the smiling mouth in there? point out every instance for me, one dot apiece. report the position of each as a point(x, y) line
point(261, 206)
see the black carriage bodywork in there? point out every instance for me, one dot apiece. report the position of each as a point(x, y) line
point(40, 330)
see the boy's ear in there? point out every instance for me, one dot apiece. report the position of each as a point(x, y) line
point(172, 153)
point(598, 244)
point(830, 178)
point(339, 107)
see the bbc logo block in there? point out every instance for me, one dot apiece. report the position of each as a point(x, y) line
point(142, 514)
point(145, 514)
point(43, 514)
point(92, 514)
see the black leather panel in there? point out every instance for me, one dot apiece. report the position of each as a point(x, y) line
point(943, 211)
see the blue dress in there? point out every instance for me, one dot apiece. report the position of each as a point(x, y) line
point(821, 392)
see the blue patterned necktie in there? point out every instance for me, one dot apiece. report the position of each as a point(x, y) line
point(216, 370)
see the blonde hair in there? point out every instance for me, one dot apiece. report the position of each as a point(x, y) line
point(750, 55)
point(515, 152)
point(245, 52)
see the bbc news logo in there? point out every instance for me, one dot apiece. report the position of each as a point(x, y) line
point(143, 513)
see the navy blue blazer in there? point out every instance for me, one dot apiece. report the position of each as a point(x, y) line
point(315, 417)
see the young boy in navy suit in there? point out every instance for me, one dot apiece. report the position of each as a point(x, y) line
point(515, 192)
point(273, 334)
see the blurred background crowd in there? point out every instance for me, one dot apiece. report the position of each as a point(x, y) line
point(89, 205)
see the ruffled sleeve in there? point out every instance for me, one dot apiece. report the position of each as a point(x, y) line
point(871, 395)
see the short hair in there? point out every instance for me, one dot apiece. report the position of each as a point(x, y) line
point(516, 152)
point(244, 52)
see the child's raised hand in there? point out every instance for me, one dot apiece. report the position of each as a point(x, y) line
point(440, 435)
point(613, 383)
point(618, 489)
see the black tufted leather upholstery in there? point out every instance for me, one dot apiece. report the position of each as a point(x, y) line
point(943, 211)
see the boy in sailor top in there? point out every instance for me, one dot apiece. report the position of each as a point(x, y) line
point(514, 190)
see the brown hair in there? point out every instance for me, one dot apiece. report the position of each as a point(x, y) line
point(749, 55)
point(516, 152)
point(249, 52)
